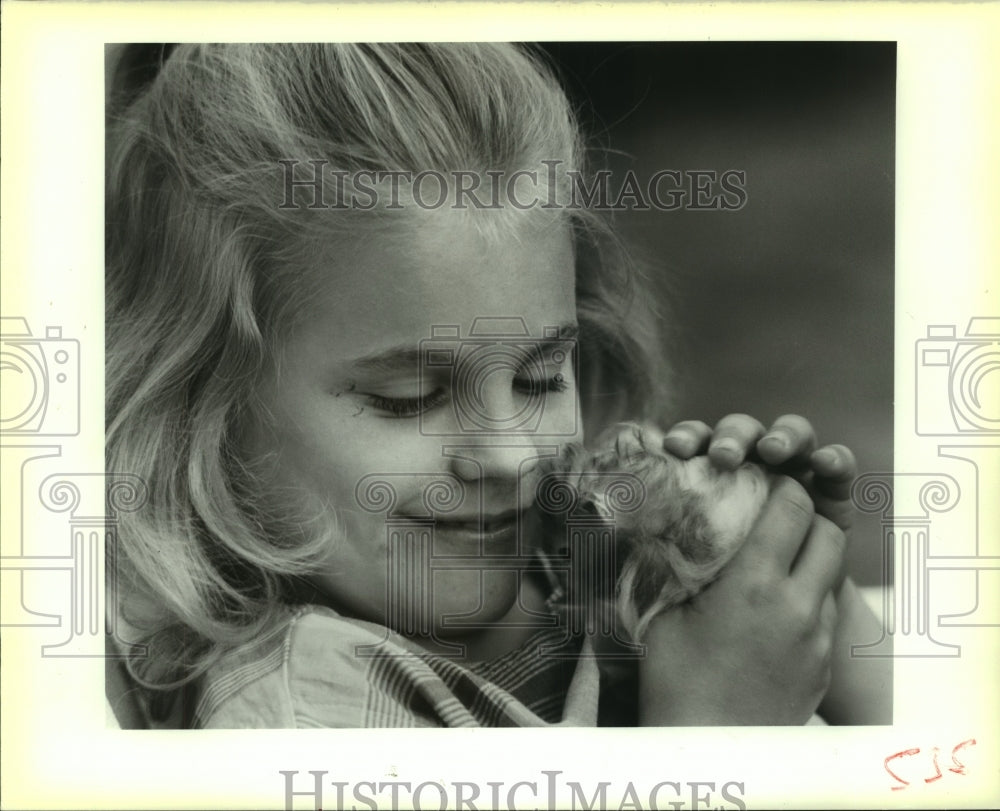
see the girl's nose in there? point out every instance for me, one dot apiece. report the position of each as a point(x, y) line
point(504, 475)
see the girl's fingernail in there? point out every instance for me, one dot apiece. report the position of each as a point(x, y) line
point(825, 456)
point(727, 446)
point(677, 435)
point(776, 440)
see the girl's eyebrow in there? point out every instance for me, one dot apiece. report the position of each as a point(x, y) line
point(406, 358)
point(399, 358)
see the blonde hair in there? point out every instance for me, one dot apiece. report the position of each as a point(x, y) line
point(200, 287)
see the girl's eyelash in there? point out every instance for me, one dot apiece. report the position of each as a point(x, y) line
point(548, 385)
point(412, 406)
point(408, 406)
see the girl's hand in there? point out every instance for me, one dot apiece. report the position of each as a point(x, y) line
point(755, 646)
point(789, 446)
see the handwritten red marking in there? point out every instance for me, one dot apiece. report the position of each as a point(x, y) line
point(902, 753)
point(937, 768)
point(958, 768)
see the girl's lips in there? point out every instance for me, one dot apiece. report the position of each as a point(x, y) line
point(486, 523)
point(492, 530)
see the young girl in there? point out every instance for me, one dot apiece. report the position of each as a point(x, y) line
point(352, 304)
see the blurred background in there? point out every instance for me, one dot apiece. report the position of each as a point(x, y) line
point(785, 305)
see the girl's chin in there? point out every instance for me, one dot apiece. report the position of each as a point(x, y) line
point(458, 605)
point(462, 600)
point(477, 615)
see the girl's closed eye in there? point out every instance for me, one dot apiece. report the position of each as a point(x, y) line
point(527, 382)
point(411, 406)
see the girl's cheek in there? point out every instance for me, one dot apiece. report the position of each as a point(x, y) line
point(391, 446)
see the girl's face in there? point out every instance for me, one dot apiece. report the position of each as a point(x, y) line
point(358, 397)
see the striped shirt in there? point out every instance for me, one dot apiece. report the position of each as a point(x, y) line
point(325, 670)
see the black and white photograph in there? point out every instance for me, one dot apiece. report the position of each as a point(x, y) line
point(571, 391)
point(406, 411)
